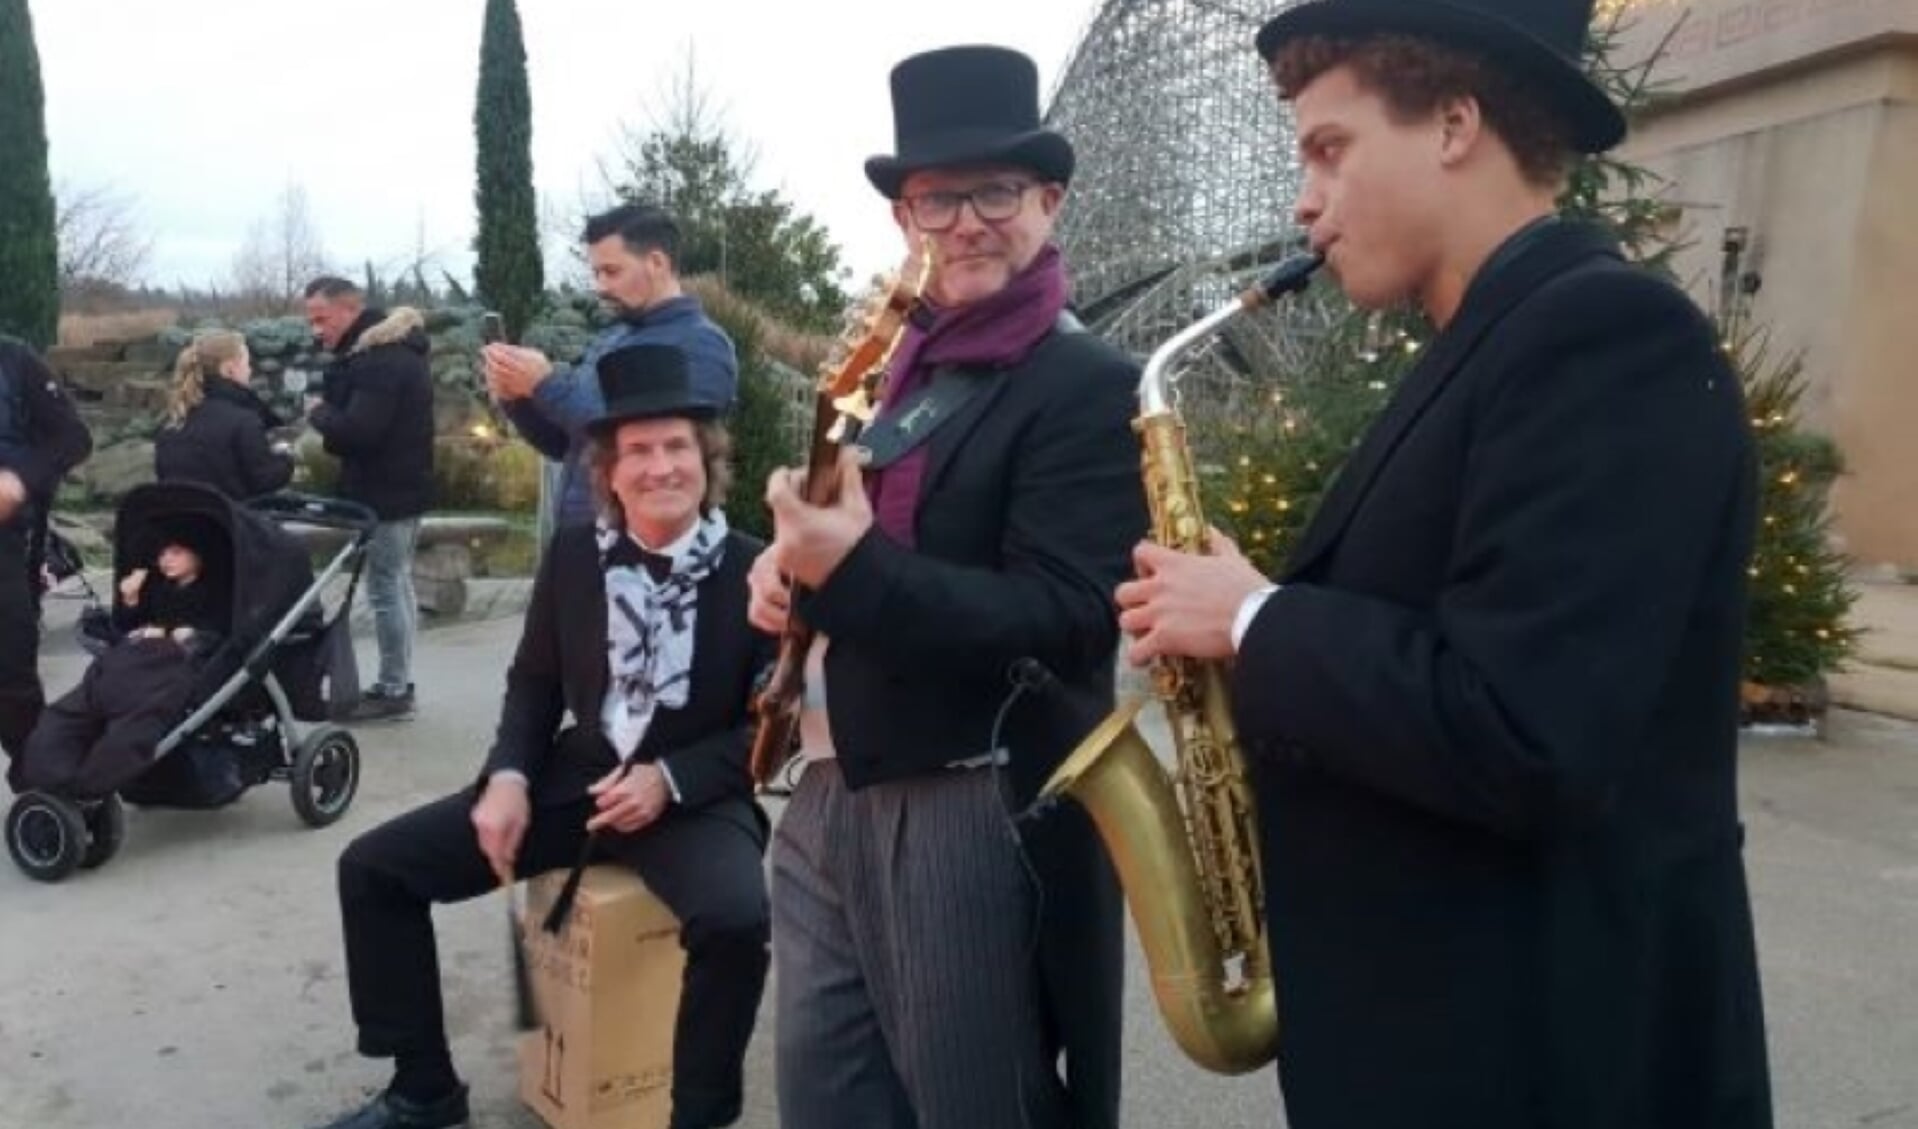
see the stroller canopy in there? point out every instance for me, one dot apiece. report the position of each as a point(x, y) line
point(263, 568)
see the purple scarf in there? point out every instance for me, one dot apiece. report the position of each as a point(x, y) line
point(1000, 330)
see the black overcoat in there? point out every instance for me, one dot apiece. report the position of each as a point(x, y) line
point(1030, 505)
point(1493, 719)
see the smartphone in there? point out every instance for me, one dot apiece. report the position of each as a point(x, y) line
point(492, 328)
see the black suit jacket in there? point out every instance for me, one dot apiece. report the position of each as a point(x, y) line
point(560, 668)
point(1029, 509)
point(1494, 719)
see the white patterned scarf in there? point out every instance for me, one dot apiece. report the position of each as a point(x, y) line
point(649, 627)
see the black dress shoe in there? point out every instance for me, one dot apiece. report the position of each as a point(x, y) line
point(391, 1111)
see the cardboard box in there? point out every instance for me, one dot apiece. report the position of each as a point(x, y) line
point(606, 989)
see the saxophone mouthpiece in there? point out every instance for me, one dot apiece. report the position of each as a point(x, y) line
point(1289, 277)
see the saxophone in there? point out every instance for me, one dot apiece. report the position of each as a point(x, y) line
point(1186, 846)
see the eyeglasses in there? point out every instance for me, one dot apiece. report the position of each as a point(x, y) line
point(994, 202)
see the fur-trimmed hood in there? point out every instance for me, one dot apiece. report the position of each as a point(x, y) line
point(377, 413)
point(403, 325)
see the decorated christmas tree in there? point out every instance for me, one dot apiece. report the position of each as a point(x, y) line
point(1272, 464)
point(1799, 597)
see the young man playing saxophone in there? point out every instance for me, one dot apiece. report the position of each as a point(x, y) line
point(1491, 704)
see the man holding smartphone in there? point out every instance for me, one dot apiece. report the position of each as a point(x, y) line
point(634, 253)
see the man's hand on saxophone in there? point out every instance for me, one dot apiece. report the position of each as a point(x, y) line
point(1184, 605)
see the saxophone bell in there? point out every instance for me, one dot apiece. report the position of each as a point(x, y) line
point(1186, 844)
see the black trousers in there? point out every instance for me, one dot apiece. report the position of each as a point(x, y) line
point(704, 866)
point(20, 693)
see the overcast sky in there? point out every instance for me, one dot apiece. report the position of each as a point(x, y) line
point(203, 110)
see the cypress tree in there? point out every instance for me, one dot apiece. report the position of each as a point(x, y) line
point(29, 251)
point(508, 273)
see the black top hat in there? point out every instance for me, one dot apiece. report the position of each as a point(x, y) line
point(646, 382)
point(968, 105)
point(1538, 41)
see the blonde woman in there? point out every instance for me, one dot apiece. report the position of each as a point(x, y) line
point(216, 427)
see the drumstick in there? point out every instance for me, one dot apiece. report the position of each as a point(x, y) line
point(525, 1014)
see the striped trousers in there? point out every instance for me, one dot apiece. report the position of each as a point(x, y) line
point(905, 963)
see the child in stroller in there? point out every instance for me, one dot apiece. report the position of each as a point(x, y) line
point(218, 647)
point(168, 600)
point(106, 730)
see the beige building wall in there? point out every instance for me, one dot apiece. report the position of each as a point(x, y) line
point(1797, 120)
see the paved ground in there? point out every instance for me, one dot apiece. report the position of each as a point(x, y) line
point(1883, 678)
point(195, 981)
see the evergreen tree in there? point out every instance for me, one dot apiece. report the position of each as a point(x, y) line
point(1277, 460)
point(755, 241)
point(374, 288)
point(508, 273)
point(29, 248)
point(759, 422)
point(1799, 597)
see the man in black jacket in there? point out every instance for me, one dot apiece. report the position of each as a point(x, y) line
point(637, 628)
point(1492, 702)
point(41, 438)
point(935, 970)
point(376, 415)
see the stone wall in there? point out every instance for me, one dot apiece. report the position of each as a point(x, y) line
point(122, 387)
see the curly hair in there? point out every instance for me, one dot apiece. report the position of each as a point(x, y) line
point(715, 454)
point(1414, 76)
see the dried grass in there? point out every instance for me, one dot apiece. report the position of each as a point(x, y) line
point(131, 325)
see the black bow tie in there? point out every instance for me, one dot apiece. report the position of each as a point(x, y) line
point(628, 553)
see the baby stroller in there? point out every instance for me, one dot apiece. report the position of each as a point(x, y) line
point(62, 567)
point(281, 660)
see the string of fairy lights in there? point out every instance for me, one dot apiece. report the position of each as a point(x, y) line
point(1271, 468)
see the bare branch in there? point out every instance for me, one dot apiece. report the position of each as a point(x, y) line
point(282, 253)
point(100, 238)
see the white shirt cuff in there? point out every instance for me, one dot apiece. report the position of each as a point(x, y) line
point(671, 784)
point(511, 774)
point(1249, 611)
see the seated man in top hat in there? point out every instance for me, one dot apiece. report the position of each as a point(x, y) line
point(637, 627)
point(934, 970)
point(1492, 702)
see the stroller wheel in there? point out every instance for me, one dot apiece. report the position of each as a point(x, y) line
point(326, 773)
point(46, 835)
point(106, 830)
